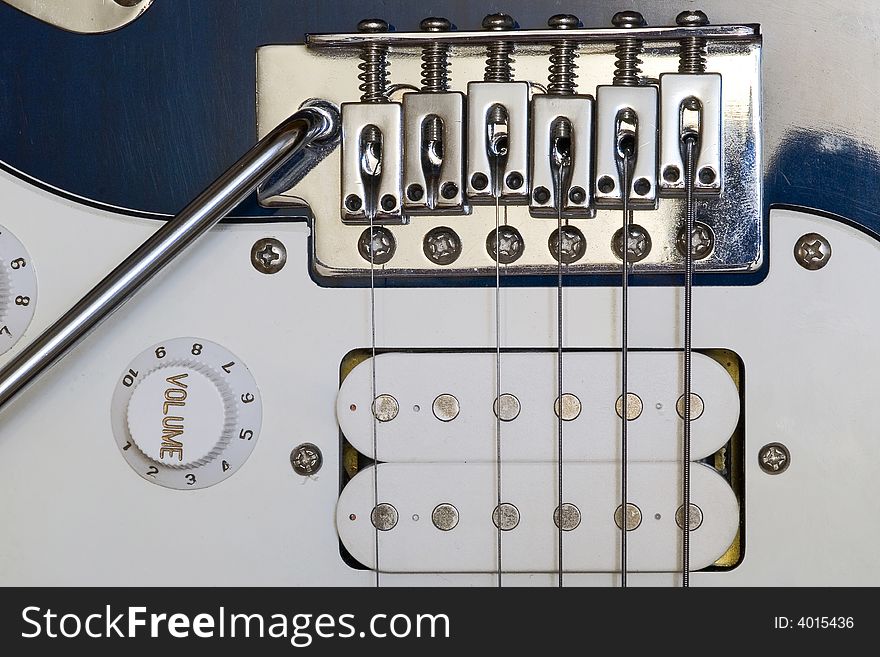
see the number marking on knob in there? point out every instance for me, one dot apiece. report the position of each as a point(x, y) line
point(18, 290)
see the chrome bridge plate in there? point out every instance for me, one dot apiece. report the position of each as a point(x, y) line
point(287, 75)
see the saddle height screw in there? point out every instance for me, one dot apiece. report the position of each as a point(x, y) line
point(692, 56)
point(499, 63)
point(627, 68)
point(374, 64)
point(562, 56)
point(435, 57)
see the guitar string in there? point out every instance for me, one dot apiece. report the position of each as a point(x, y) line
point(498, 363)
point(624, 356)
point(690, 145)
point(559, 378)
point(373, 409)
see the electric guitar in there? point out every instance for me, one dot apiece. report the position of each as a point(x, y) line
point(493, 301)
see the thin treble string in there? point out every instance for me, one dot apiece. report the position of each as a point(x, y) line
point(559, 382)
point(373, 409)
point(624, 397)
point(690, 145)
point(498, 368)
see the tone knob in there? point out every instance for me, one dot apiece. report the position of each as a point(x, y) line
point(18, 289)
point(186, 413)
point(181, 414)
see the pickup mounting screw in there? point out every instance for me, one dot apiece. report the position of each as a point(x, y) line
point(268, 255)
point(812, 251)
point(306, 459)
point(774, 458)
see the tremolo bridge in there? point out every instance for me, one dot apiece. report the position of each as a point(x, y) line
point(446, 133)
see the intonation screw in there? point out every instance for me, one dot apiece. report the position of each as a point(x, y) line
point(499, 64)
point(627, 68)
point(374, 64)
point(562, 56)
point(435, 57)
point(692, 58)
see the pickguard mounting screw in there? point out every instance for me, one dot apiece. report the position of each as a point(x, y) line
point(812, 251)
point(268, 255)
point(774, 458)
point(306, 459)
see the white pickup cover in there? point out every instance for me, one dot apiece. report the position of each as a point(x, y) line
point(414, 544)
point(415, 380)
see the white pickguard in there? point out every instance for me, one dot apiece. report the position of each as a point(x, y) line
point(74, 513)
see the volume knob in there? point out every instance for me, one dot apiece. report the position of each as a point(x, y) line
point(186, 413)
point(181, 415)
